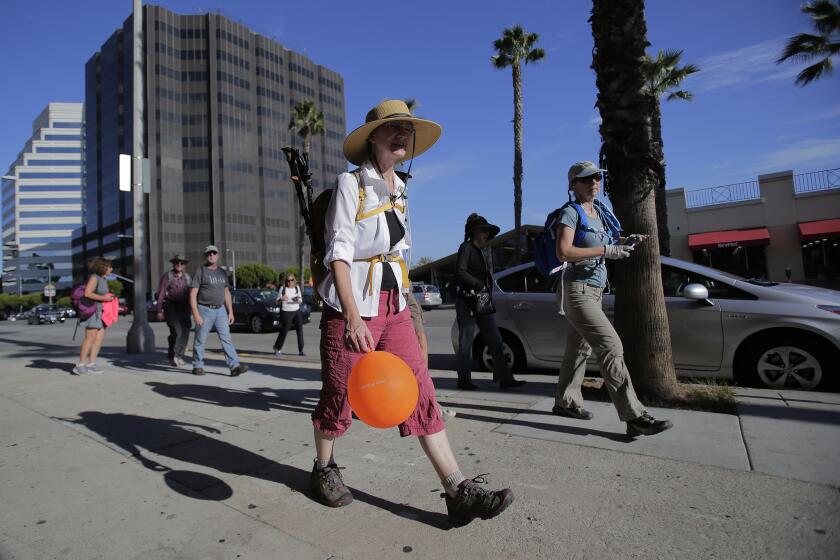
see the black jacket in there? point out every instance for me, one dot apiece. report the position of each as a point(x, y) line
point(471, 270)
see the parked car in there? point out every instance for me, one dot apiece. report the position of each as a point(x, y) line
point(427, 295)
point(124, 310)
point(68, 312)
point(46, 313)
point(722, 326)
point(259, 310)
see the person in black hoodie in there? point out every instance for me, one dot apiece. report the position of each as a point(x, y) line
point(473, 274)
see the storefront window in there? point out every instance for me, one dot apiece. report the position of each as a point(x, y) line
point(821, 259)
point(749, 261)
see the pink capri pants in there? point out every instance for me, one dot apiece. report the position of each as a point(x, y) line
point(393, 332)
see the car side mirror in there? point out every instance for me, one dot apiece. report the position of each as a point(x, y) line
point(697, 292)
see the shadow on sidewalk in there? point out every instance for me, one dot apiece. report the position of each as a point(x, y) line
point(49, 365)
point(255, 398)
point(814, 415)
point(174, 439)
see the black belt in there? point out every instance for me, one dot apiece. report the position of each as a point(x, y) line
point(211, 306)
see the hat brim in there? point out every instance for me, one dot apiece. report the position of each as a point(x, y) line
point(588, 172)
point(492, 229)
point(174, 260)
point(426, 133)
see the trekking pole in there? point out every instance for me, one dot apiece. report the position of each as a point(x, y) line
point(300, 176)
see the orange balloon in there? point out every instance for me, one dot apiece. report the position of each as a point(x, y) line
point(382, 390)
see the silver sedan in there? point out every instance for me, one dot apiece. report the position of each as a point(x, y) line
point(722, 326)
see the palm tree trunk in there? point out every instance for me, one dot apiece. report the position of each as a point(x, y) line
point(661, 201)
point(517, 158)
point(301, 225)
point(628, 151)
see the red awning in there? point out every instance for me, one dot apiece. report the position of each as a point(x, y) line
point(730, 238)
point(818, 229)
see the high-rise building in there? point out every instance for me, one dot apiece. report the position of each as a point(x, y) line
point(218, 104)
point(42, 202)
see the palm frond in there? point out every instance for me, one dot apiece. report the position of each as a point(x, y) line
point(803, 47)
point(535, 55)
point(815, 71)
point(825, 15)
point(681, 94)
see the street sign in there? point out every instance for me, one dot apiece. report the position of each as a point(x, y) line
point(49, 290)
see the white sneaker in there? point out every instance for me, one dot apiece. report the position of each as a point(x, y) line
point(446, 413)
point(80, 369)
point(178, 361)
point(93, 368)
point(278, 353)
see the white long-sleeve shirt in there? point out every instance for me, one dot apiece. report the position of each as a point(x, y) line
point(346, 239)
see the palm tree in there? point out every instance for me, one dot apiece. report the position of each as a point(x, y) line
point(412, 105)
point(662, 75)
point(805, 47)
point(632, 157)
point(308, 121)
point(514, 49)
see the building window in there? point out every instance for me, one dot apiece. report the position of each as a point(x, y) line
point(46, 175)
point(67, 125)
point(51, 214)
point(56, 150)
point(47, 227)
point(49, 188)
point(67, 137)
point(46, 162)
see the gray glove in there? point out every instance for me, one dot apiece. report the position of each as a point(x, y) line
point(616, 252)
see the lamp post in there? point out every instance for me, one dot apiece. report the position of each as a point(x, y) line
point(141, 337)
point(49, 267)
point(233, 264)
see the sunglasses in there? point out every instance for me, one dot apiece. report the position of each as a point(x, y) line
point(290, 279)
point(398, 126)
point(212, 252)
point(590, 178)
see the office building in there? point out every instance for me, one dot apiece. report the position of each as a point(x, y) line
point(218, 104)
point(42, 202)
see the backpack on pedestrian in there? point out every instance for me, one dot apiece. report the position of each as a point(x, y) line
point(545, 244)
point(85, 308)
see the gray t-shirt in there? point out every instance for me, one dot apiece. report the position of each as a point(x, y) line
point(592, 272)
point(211, 284)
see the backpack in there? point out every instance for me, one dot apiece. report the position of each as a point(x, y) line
point(545, 245)
point(177, 289)
point(85, 308)
point(317, 241)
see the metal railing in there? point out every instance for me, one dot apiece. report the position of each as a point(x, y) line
point(723, 194)
point(817, 181)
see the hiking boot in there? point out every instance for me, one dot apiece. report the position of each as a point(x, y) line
point(572, 412)
point(647, 425)
point(198, 371)
point(327, 487)
point(473, 501)
point(80, 369)
point(238, 370)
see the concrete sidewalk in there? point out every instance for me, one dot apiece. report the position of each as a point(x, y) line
point(146, 461)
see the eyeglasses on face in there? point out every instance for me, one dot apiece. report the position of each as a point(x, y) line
point(590, 179)
point(212, 252)
point(399, 126)
point(290, 279)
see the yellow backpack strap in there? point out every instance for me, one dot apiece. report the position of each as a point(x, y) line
point(360, 213)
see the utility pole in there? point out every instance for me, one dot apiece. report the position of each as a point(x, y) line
point(141, 337)
point(233, 255)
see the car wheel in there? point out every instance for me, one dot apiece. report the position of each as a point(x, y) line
point(256, 324)
point(510, 348)
point(787, 362)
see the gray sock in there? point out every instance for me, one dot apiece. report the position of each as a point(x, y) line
point(322, 464)
point(451, 482)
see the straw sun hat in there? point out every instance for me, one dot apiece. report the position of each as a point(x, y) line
point(426, 132)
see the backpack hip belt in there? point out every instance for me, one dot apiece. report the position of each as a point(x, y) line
point(393, 257)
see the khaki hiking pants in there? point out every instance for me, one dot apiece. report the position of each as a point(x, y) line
point(591, 330)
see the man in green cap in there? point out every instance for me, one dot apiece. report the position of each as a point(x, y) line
point(212, 306)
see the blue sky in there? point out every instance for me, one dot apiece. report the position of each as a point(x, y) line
point(747, 117)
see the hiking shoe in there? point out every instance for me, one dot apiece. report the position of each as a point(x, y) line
point(473, 501)
point(238, 370)
point(327, 486)
point(80, 369)
point(173, 362)
point(278, 353)
point(198, 371)
point(93, 368)
point(647, 425)
point(572, 412)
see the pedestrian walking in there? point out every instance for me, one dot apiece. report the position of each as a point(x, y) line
point(211, 307)
point(474, 304)
point(365, 308)
point(173, 305)
point(289, 298)
point(579, 293)
point(96, 290)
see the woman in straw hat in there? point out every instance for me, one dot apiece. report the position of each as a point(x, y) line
point(366, 308)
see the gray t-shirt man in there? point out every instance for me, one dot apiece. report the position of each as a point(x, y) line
point(211, 284)
point(592, 271)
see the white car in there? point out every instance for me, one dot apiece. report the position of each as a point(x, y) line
point(722, 326)
point(427, 295)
